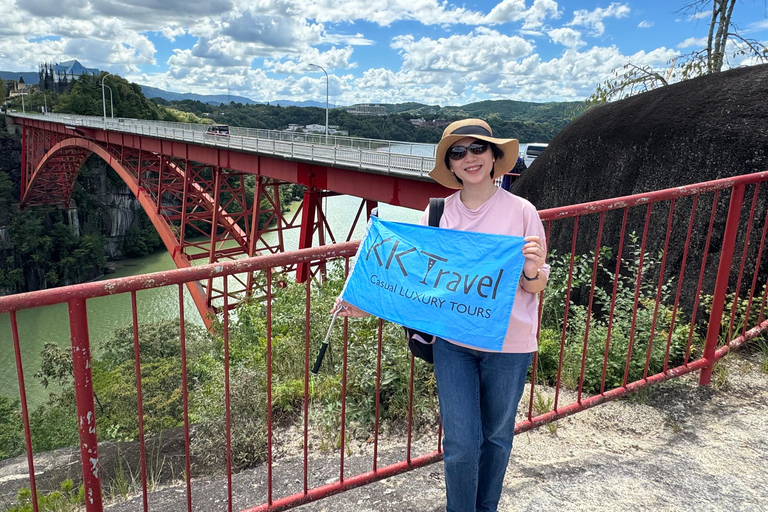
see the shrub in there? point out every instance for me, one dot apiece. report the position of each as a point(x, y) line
point(627, 313)
point(68, 499)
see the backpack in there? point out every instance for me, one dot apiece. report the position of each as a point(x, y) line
point(420, 342)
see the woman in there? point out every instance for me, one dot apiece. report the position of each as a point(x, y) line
point(478, 390)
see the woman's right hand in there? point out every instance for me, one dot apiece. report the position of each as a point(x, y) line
point(346, 309)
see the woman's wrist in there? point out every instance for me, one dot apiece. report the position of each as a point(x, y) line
point(534, 278)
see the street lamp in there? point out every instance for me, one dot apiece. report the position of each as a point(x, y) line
point(45, 99)
point(326, 99)
point(111, 108)
point(23, 108)
point(104, 99)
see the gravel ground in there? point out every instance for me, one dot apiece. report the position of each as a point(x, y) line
point(674, 447)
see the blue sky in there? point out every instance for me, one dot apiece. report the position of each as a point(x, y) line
point(374, 51)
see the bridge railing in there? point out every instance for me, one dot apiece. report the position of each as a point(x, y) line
point(412, 159)
point(643, 289)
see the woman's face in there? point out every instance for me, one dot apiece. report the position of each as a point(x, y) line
point(472, 169)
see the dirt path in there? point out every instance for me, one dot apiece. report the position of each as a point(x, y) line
point(675, 447)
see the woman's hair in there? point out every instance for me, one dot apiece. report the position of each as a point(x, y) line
point(497, 154)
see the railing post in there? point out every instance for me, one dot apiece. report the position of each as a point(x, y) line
point(721, 282)
point(86, 413)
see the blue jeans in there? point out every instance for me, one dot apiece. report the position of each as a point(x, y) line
point(478, 393)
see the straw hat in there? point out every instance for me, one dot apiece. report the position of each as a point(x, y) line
point(477, 129)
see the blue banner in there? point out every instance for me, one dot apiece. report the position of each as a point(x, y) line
point(458, 285)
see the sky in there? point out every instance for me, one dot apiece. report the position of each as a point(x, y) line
point(373, 51)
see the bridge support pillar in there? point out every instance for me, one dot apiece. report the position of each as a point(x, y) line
point(311, 221)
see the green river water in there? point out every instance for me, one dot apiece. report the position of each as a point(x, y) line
point(105, 314)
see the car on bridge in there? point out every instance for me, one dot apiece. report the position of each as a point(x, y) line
point(533, 150)
point(220, 130)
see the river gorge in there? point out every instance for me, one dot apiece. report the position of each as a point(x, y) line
point(50, 323)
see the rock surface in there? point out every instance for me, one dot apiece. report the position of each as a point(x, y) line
point(702, 129)
point(674, 447)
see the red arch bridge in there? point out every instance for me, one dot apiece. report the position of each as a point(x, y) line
point(644, 289)
point(192, 183)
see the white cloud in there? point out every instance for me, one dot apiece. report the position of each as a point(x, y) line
point(480, 49)
point(335, 58)
point(697, 42)
point(759, 27)
point(385, 12)
point(432, 51)
point(51, 8)
point(541, 10)
point(150, 12)
point(594, 19)
point(506, 11)
point(171, 33)
point(566, 37)
point(271, 31)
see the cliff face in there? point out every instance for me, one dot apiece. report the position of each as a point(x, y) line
point(103, 202)
point(114, 204)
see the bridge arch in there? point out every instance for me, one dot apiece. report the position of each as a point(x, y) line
point(193, 187)
point(53, 178)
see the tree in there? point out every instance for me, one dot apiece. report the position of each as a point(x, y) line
point(632, 79)
point(720, 32)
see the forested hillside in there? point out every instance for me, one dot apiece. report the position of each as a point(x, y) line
point(525, 121)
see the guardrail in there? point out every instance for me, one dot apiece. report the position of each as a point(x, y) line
point(392, 157)
point(643, 289)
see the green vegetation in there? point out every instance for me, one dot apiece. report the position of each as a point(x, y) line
point(44, 248)
point(54, 423)
point(523, 120)
point(626, 313)
point(46, 251)
point(68, 499)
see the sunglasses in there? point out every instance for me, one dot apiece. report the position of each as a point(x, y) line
point(459, 152)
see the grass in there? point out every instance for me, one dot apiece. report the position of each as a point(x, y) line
point(543, 404)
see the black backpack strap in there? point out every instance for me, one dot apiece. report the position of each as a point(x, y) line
point(436, 205)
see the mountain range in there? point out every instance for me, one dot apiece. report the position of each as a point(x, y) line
point(32, 78)
point(218, 99)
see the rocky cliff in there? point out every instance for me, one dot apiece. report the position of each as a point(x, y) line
point(101, 203)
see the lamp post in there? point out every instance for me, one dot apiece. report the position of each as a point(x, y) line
point(45, 99)
point(326, 99)
point(104, 100)
point(111, 108)
point(23, 108)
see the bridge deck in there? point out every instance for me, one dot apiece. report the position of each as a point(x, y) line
point(407, 159)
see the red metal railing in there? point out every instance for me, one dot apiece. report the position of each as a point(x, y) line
point(645, 261)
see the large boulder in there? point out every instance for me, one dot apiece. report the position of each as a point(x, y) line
point(702, 129)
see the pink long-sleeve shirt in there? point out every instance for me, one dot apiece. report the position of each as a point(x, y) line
point(503, 214)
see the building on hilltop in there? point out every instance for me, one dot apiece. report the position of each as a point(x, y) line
point(333, 129)
point(19, 87)
point(74, 68)
point(367, 109)
point(435, 123)
point(56, 76)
